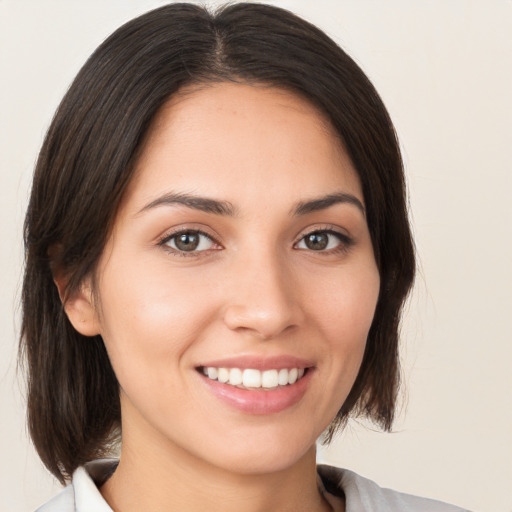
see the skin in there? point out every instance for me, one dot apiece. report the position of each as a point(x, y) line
point(255, 290)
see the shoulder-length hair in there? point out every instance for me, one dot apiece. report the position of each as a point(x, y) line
point(87, 160)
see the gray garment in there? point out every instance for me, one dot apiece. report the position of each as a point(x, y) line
point(361, 494)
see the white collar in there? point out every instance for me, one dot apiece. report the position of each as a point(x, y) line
point(361, 494)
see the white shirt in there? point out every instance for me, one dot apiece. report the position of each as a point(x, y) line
point(361, 494)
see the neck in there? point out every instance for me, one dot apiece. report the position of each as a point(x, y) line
point(149, 478)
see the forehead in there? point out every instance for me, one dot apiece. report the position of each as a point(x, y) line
point(238, 141)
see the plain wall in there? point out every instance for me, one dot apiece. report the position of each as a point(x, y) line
point(444, 69)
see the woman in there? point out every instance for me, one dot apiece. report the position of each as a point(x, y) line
point(217, 255)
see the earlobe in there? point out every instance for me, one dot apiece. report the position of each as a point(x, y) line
point(79, 306)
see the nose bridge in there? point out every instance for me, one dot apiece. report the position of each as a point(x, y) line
point(263, 299)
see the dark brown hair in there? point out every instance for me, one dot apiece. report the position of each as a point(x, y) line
point(87, 160)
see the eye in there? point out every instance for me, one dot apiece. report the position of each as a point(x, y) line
point(323, 240)
point(189, 241)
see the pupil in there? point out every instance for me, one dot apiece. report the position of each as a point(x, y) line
point(187, 241)
point(317, 241)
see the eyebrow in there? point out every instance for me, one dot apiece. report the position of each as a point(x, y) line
point(321, 203)
point(203, 204)
point(226, 208)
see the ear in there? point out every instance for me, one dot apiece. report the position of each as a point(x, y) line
point(79, 306)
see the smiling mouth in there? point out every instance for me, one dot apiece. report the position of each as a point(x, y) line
point(253, 379)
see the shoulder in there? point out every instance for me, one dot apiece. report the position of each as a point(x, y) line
point(363, 495)
point(82, 493)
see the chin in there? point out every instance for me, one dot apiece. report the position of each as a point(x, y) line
point(259, 452)
point(267, 461)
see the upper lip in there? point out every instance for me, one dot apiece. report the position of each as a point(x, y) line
point(259, 362)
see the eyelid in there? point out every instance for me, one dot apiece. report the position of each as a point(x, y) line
point(173, 232)
point(346, 241)
point(325, 228)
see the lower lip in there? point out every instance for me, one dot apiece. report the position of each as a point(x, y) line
point(260, 401)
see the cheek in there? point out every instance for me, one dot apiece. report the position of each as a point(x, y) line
point(345, 307)
point(344, 310)
point(149, 319)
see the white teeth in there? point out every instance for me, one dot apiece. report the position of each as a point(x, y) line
point(269, 379)
point(223, 375)
point(282, 379)
point(251, 378)
point(235, 376)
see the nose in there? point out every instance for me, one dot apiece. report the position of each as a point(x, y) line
point(265, 301)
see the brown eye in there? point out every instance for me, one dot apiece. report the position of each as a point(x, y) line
point(316, 241)
point(189, 241)
point(324, 241)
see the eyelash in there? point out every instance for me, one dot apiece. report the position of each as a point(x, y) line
point(186, 254)
point(345, 242)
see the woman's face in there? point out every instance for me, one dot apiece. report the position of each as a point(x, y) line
point(237, 288)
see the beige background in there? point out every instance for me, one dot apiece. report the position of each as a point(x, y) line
point(444, 69)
